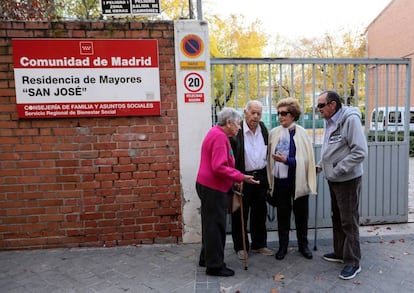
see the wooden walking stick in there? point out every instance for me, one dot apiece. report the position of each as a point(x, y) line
point(240, 195)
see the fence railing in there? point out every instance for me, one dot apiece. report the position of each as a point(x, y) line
point(380, 88)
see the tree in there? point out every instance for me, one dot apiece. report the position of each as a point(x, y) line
point(343, 45)
point(81, 9)
point(29, 10)
point(235, 37)
point(42, 10)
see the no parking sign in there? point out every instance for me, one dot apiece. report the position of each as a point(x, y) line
point(192, 46)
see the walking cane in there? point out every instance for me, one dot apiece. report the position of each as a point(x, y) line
point(240, 195)
point(316, 224)
point(315, 248)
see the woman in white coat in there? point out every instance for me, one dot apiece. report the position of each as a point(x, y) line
point(292, 175)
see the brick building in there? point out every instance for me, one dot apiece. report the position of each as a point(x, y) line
point(391, 35)
point(96, 181)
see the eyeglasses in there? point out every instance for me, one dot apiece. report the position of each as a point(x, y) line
point(283, 113)
point(321, 105)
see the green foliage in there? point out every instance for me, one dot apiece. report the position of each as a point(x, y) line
point(82, 9)
point(235, 37)
point(382, 136)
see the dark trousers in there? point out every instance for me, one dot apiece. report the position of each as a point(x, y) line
point(213, 225)
point(285, 204)
point(254, 210)
point(345, 219)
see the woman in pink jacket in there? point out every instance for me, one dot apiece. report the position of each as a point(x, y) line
point(215, 178)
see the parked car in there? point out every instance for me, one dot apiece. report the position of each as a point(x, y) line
point(390, 119)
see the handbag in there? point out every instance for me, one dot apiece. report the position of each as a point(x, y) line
point(233, 202)
point(236, 202)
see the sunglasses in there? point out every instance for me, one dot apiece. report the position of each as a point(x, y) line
point(283, 113)
point(321, 105)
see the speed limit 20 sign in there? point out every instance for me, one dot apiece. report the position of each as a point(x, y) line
point(194, 83)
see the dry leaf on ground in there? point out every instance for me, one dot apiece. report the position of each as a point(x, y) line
point(278, 277)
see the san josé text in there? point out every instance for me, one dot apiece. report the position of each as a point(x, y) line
point(72, 80)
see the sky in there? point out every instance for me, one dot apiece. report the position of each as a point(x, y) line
point(302, 18)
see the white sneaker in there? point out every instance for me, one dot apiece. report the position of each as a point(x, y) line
point(240, 254)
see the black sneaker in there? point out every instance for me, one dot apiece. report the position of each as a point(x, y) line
point(349, 272)
point(220, 272)
point(332, 257)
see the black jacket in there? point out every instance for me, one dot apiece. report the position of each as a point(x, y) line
point(237, 144)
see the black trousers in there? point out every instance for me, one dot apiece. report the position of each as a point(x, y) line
point(255, 211)
point(300, 207)
point(213, 225)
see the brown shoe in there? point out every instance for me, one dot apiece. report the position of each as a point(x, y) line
point(240, 254)
point(263, 250)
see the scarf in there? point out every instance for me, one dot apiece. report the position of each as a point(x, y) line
point(280, 170)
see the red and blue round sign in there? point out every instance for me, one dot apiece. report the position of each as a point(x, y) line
point(192, 46)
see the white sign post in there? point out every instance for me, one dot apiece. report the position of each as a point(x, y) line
point(192, 60)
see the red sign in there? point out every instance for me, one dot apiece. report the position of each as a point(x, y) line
point(194, 98)
point(58, 78)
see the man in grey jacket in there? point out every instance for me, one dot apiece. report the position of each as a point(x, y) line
point(343, 151)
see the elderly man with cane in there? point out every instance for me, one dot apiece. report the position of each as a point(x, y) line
point(250, 151)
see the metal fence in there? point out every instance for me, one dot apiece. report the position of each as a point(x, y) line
point(380, 88)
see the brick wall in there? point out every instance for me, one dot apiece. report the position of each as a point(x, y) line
point(391, 35)
point(89, 181)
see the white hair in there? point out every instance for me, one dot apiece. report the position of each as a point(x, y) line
point(227, 113)
point(253, 102)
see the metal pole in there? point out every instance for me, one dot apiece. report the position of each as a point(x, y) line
point(191, 9)
point(199, 10)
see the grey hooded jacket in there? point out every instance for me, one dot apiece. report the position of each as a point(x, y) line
point(342, 156)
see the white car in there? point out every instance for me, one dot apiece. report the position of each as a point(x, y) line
point(390, 119)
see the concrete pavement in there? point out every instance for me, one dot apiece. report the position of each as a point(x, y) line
point(387, 266)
